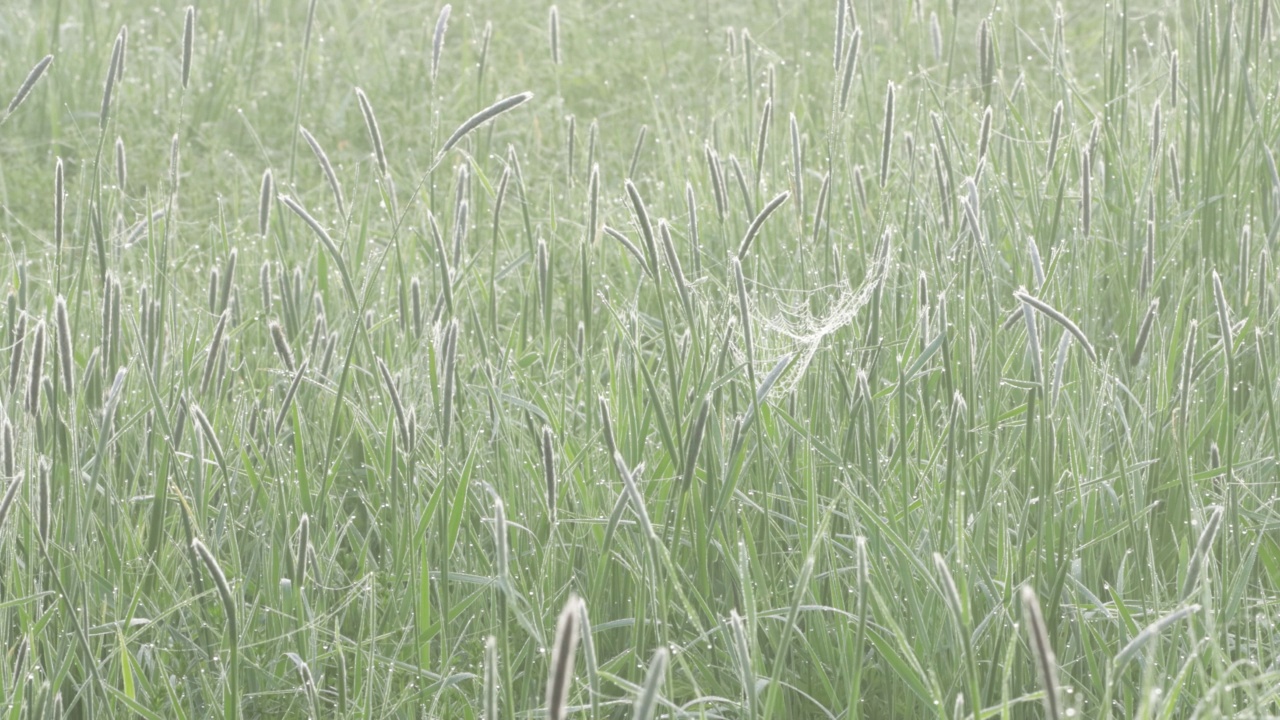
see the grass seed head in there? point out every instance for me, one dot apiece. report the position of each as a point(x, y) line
point(888, 136)
point(562, 654)
point(264, 204)
point(220, 581)
point(762, 139)
point(1049, 311)
point(65, 355)
point(188, 43)
point(122, 168)
point(16, 354)
point(500, 539)
point(1144, 332)
point(1203, 547)
point(1154, 155)
point(984, 134)
point(25, 88)
point(113, 70)
point(1055, 132)
point(647, 701)
point(175, 167)
point(1224, 314)
point(553, 23)
point(437, 39)
point(480, 118)
point(7, 447)
point(1046, 664)
point(6, 502)
point(36, 373)
point(304, 545)
point(43, 500)
point(935, 35)
point(375, 134)
point(717, 179)
point(549, 469)
point(756, 224)
point(287, 403)
point(606, 429)
point(491, 678)
point(326, 167)
point(850, 67)
point(59, 200)
point(282, 345)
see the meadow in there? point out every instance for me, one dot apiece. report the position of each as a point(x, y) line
point(817, 359)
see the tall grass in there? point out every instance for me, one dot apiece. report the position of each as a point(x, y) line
point(948, 397)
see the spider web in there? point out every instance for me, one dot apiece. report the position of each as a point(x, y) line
point(791, 327)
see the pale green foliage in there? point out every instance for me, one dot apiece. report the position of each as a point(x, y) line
point(837, 478)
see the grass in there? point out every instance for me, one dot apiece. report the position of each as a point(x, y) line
point(799, 463)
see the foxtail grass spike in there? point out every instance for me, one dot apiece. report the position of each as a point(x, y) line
point(437, 40)
point(1046, 663)
point(188, 43)
point(562, 652)
point(481, 118)
point(25, 88)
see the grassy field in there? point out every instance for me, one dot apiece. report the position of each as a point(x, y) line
point(813, 359)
